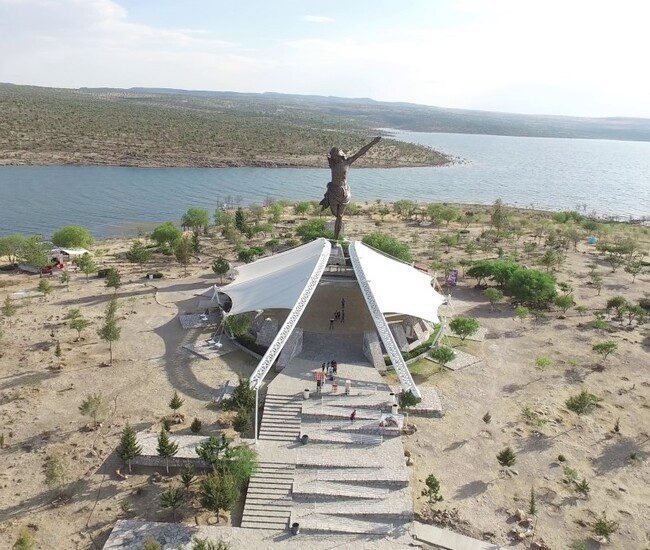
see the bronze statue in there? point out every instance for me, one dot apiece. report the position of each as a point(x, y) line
point(337, 196)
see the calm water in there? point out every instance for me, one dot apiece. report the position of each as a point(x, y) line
point(610, 177)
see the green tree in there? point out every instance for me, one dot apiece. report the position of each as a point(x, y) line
point(532, 504)
point(45, 287)
point(166, 235)
point(464, 326)
point(450, 213)
point(110, 331)
point(73, 236)
point(596, 282)
point(532, 287)
point(604, 349)
point(404, 208)
point(176, 402)
point(139, 254)
point(242, 422)
point(129, 448)
point(79, 324)
point(11, 245)
point(188, 477)
point(87, 264)
point(113, 279)
point(507, 457)
point(94, 407)
point(617, 303)
point(237, 325)
point(172, 498)
point(480, 271)
point(637, 312)
point(166, 447)
point(443, 354)
point(34, 252)
point(564, 302)
point(196, 426)
point(312, 230)
point(183, 252)
point(499, 217)
point(219, 492)
point(433, 489)
point(493, 295)
point(634, 268)
point(8, 307)
point(196, 219)
point(220, 267)
point(65, 279)
point(223, 218)
point(214, 451)
point(240, 220)
point(243, 397)
point(389, 245)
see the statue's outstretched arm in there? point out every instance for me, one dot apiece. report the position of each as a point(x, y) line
point(363, 150)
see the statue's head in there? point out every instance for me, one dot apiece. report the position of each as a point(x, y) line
point(337, 154)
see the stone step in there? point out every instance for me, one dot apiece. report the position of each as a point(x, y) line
point(282, 513)
point(277, 437)
point(255, 524)
point(333, 524)
point(387, 508)
point(333, 459)
point(363, 474)
point(370, 427)
point(324, 488)
point(325, 411)
point(344, 438)
point(378, 400)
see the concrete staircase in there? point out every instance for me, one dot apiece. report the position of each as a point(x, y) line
point(281, 418)
point(268, 499)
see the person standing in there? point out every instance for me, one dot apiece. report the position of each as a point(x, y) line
point(331, 323)
point(353, 415)
point(322, 367)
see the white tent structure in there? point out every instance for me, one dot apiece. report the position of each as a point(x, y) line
point(289, 279)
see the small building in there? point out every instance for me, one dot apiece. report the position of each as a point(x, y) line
point(65, 255)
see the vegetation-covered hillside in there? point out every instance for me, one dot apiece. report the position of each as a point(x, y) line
point(143, 128)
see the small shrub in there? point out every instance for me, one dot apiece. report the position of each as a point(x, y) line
point(407, 399)
point(561, 458)
point(25, 541)
point(433, 489)
point(443, 354)
point(507, 457)
point(487, 417)
point(543, 361)
point(583, 403)
point(151, 544)
point(570, 474)
point(242, 422)
point(604, 527)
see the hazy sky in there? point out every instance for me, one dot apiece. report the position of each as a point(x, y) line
point(587, 58)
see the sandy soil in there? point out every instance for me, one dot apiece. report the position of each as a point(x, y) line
point(39, 406)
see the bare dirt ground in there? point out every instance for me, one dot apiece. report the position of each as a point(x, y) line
point(40, 416)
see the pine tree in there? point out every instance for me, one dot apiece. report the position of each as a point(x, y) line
point(532, 505)
point(219, 492)
point(183, 252)
point(110, 331)
point(113, 279)
point(188, 476)
point(8, 308)
point(172, 498)
point(166, 448)
point(176, 402)
point(129, 448)
point(196, 425)
point(79, 324)
point(93, 406)
point(433, 489)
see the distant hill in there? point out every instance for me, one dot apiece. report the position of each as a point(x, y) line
point(423, 118)
point(167, 127)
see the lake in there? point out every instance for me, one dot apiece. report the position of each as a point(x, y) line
point(609, 177)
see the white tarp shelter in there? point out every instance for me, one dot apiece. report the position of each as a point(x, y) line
point(398, 287)
point(275, 282)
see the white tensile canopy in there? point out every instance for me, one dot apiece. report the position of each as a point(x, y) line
point(275, 282)
point(398, 287)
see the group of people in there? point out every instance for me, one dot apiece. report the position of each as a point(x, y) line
point(339, 315)
point(330, 369)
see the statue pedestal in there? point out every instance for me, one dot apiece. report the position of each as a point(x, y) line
point(331, 224)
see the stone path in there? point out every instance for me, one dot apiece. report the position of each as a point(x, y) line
point(448, 540)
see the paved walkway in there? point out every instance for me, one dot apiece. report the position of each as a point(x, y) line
point(448, 540)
